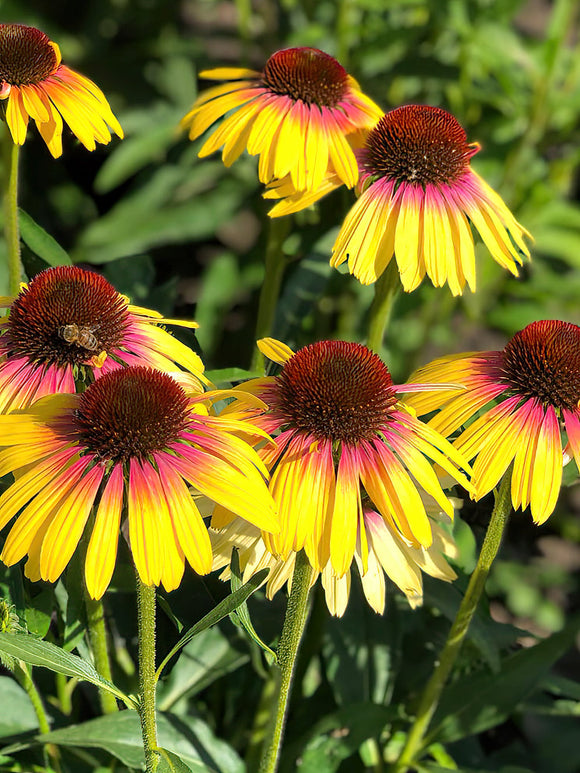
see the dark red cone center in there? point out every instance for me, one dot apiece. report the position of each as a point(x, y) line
point(417, 144)
point(543, 361)
point(306, 74)
point(66, 315)
point(334, 390)
point(26, 56)
point(131, 412)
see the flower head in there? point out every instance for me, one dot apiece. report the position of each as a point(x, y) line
point(418, 196)
point(70, 325)
point(521, 402)
point(298, 115)
point(339, 430)
point(388, 553)
point(133, 436)
point(36, 85)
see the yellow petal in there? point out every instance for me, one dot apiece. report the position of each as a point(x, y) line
point(102, 549)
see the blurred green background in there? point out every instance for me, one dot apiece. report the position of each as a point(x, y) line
point(187, 236)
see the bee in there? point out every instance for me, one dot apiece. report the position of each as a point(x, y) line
point(80, 335)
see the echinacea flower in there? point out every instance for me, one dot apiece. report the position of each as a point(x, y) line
point(298, 115)
point(339, 429)
point(36, 85)
point(523, 406)
point(136, 437)
point(68, 325)
point(388, 553)
point(418, 199)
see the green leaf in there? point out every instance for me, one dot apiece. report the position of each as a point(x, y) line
point(119, 734)
point(21, 717)
point(137, 152)
point(431, 767)
point(209, 656)
point(43, 653)
point(487, 635)
point(41, 242)
point(224, 608)
point(230, 375)
point(338, 736)
point(356, 671)
point(242, 614)
point(152, 216)
point(482, 700)
point(171, 763)
point(561, 686)
point(38, 614)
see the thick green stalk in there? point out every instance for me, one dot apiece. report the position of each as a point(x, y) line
point(292, 631)
point(275, 265)
point(11, 229)
point(386, 288)
point(98, 639)
point(146, 630)
point(435, 685)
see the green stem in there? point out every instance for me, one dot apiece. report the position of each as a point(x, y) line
point(98, 639)
point(146, 629)
point(386, 288)
point(24, 678)
point(11, 229)
point(434, 687)
point(275, 265)
point(292, 631)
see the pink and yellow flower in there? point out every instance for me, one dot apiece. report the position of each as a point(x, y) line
point(136, 437)
point(388, 554)
point(418, 198)
point(520, 406)
point(298, 115)
point(69, 325)
point(339, 429)
point(35, 84)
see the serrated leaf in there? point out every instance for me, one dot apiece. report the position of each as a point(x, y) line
point(41, 242)
point(224, 608)
point(42, 653)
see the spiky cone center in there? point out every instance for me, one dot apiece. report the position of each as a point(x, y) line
point(543, 361)
point(27, 55)
point(334, 390)
point(306, 74)
point(66, 315)
point(131, 413)
point(417, 144)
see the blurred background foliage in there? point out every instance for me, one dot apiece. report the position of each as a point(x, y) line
point(187, 236)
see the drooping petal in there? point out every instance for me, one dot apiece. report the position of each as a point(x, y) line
point(102, 549)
